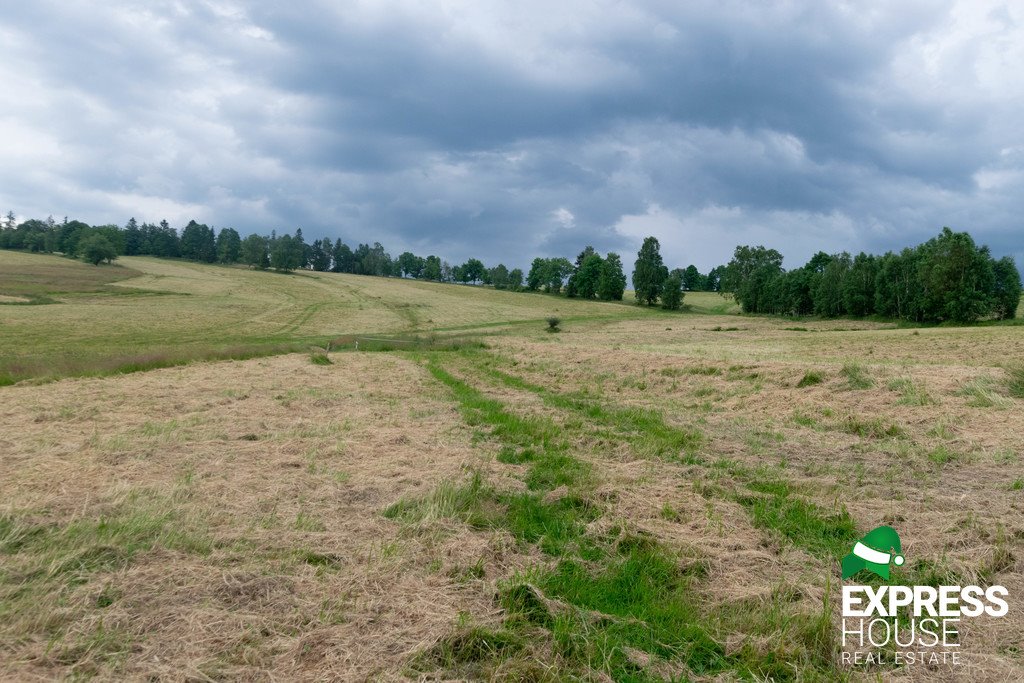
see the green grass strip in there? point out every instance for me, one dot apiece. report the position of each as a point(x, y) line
point(645, 429)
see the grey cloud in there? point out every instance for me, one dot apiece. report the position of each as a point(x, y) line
point(468, 128)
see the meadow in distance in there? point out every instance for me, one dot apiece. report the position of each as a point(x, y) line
point(203, 478)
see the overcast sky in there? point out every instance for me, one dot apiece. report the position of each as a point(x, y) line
point(508, 130)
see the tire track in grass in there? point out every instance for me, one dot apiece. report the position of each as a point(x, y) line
point(619, 602)
point(772, 503)
point(769, 499)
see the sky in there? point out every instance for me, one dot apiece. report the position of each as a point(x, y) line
point(510, 130)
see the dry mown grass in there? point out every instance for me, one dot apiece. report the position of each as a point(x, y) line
point(175, 310)
point(223, 521)
point(916, 445)
point(280, 519)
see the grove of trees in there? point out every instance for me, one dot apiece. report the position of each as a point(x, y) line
point(949, 278)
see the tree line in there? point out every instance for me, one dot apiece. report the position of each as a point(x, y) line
point(948, 278)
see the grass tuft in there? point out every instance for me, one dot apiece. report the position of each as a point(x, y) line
point(810, 379)
point(1015, 381)
point(983, 392)
point(874, 428)
point(857, 376)
point(911, 393)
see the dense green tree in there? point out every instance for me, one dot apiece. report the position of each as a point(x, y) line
point(829, 287)
point(499, 276)
point(160, 240)
point(748, 275)
point(515, 279)
point(693, 281)
point(410, 264)
point(672, 292)
point(320, 255)
point(587, 276)
point(132, 238)
point(198, 243)
point(713, 281)
point(572, 284)
point(818, 262)
point(343, 260)
point(612, 283)
point(255, 252)
point(956, 278)
point(471, 271)
point(897, 292)
point(859, 285)
point(306, 249)
point(373, 260)
point(555, 274)
point(797, 286)
point(649, 272)
point(286, 253)
point(432, 268)
point(229, 245)
point(96, 248)
point(535, 278)
point(1006, 289)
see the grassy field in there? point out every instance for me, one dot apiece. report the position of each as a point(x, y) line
point(150, 312)
point(642, 496)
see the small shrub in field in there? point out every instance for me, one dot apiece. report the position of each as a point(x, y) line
point(809, 379)
point(319, 358)
point(1017, 485)
point(857, 376)
point(553, 323)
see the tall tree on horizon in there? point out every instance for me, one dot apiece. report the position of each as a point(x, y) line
point(649, 272)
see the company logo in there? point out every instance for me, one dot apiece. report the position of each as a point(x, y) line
point(897, 624)
point(874, 552)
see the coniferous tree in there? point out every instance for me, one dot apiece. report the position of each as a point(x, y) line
point(229, 245)
point(132, 238)
point(344, 261)
point(198, 243)
point(320, 255)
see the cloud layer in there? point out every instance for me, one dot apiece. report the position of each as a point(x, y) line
point(510, 130)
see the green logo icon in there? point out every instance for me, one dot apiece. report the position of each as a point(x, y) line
point(874, 552)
